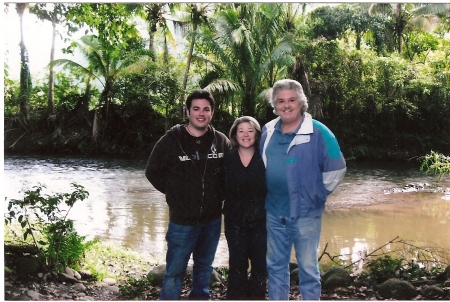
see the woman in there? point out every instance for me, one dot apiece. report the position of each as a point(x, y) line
point(245, 216)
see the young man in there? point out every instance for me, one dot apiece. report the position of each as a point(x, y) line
point(186, 166)
point(304, 165)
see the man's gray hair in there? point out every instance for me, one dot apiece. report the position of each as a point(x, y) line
point(288, 84)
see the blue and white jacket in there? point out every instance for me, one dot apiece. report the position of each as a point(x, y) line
point(315, 165)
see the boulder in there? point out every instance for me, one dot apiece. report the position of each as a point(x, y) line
point(158, 274)
point(85, 275)
point(79, 287)
point(29, 266)
point(293, 275)
point(109, 281)
point(397, 289)
point(432, 292)
point(67, 278)
point(336, 277)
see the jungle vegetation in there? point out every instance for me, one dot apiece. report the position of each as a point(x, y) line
point(378, 75)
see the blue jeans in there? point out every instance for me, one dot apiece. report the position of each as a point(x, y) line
point(304, 235)
point(182, 241)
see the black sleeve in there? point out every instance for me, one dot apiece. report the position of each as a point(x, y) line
point(155, 170)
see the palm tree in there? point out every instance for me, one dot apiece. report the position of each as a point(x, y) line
point(252, 49)
point(423, 18)
point(25, 77)
point(155, 15)
point(432, 9)
point(195, 14)
point(54, 16)
point(105, 66)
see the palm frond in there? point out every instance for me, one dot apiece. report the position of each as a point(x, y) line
point(381, 8)
point(433, 8)
point(221, 85)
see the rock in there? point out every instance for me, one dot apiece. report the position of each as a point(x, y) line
point(22, 297)
point(397, 289)
point(69, 271)
point(447, 271)
point(215, 279)
point(109, 281)
point(114, 290)
point(336, 277)
point(79, 287)
point(73, 273)
point(158, 274)
point(66, 278)
point(28, 266)
point(432, 292)
point(33, 295)
point(293, 266)
point(85, 275)
point(294, 275)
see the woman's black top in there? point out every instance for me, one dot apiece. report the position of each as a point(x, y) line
point(245, 189)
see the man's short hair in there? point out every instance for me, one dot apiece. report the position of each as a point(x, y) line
point(200, 94)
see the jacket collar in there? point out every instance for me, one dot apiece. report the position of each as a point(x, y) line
point(306, 127)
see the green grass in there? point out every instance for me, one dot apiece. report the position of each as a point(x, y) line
point(106, 260)
point(102, 259)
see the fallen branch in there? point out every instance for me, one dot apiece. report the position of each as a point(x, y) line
point(12, 146)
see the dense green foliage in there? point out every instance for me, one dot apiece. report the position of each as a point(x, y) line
point(436, 163)
point(377, 75)
point(43, 218)
point(386, 267)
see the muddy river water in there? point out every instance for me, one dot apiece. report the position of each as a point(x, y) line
point(124, 209)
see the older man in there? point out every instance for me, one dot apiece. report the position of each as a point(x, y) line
point(304, 165)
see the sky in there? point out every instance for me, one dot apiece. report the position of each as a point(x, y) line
point(38, 40)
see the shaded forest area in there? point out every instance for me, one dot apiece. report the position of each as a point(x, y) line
point(378, 75)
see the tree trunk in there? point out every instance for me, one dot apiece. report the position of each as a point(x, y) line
point(188, 64)
point(51, 75)
point(25, 78)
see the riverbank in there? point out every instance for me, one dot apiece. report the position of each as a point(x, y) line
point(111, 272)
point(118, 286)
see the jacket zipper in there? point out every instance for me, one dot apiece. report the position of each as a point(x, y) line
point(203, 177)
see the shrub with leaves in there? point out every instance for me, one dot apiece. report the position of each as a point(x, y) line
point(383, 268)
point(436, 163)
point(40, 216)
point(136, 287)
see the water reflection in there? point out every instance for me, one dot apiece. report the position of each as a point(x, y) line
point(123, 208)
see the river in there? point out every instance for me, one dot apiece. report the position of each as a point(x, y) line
point(123, 208)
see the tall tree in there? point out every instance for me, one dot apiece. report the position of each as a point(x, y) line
point(195, 14)
point(251, 48)
point(106, 66)
point(53, 12)
point(156, 15)
point(25, 77)
point(402, 14)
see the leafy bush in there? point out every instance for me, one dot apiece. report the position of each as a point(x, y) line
point(436, 163)
point(135, 287)
point(52, 233)
point(383, 268)
point(386, 267)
